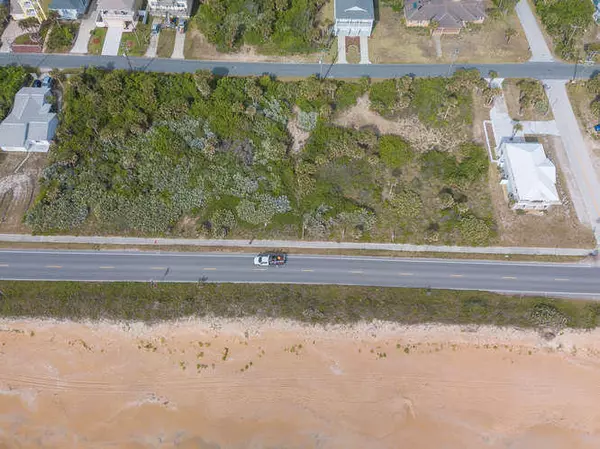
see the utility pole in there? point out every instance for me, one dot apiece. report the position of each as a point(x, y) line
point(455, 53)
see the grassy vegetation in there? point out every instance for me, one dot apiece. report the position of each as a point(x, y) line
point(166, 43)
point(566, 21)
point(24, 39)
point(97, 41)
point(317, 304)
point(280, 26)
point(4, 13)
point(136, 42)
point(152, 154)
point(62, 36)
point(12, 78)
point(526, 99)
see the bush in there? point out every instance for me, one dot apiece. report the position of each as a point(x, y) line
point(566, 21)
point(12, 78)
point(285, 27)
point(394, 151)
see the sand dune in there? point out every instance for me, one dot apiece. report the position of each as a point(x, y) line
point(247, 384)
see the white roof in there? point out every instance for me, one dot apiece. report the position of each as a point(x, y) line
point(533, 173)
point(29, 119)
point(127, 5)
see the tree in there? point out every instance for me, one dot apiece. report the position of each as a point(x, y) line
point(517, 128)
point(509, 33)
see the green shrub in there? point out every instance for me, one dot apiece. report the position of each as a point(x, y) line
point(566, 21)
point(394, 151)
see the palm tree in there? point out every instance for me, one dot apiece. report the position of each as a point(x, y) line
point(517, 127)
point(509, 33)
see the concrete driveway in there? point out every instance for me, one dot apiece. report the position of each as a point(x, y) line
point(503, 124)
point(85, 31)
point(153, 45)
point(179, 46)
point(577, 151)
point(537, 44)
point(9, 35)
point(112, 41)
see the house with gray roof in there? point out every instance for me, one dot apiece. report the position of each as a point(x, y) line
point(353, 17)
point(69, 9)
point(30, 126)
point(449, 16)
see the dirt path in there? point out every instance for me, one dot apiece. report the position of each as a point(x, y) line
point(421, 137)
point(217, 384)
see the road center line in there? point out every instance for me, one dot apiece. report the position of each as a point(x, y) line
point(307, 270)
point(405, 274)
point(3, 265)
point(53, 266)
point(356, 272)
point(158, 268)
point(457, 276)
point(561, 279)
point(106, 268)
point(508, 277)
point(210, 269)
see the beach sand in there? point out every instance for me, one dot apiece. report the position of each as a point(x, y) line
point(210, 384)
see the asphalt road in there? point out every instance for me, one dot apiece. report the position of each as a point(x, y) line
point(541, 70)
point(513, 277)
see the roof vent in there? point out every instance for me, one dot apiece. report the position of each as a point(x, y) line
point(356, 8)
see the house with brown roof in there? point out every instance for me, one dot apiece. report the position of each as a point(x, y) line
point(450, 16)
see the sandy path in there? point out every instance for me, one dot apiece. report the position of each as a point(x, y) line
point(263, 385)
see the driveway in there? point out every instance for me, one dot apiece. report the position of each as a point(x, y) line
point(577, 152)
point(153, 45)
point(537, 44)
point(85, 31)
point(112, 41)
point(179, 45)
point(503, 123)
point(9, 35)
point(341, 55)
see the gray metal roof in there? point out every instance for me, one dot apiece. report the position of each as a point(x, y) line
point(29, 119)
point(354, 9)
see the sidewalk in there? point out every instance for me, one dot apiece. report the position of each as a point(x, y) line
point(140, 241)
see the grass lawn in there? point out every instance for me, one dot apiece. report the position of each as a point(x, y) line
point(317, 304)
point(393, 42)
point(96, 41)
point(136, 41)
point(166, 43)
point(24, 39)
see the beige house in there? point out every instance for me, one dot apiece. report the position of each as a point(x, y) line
point(449, 16)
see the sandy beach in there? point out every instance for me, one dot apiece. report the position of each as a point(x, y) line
point(213, 384)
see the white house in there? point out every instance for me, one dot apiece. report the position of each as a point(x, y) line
point(529, 176)
point(117, 14)
point(178, 8)
point(353, 17)
point(30, 126)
